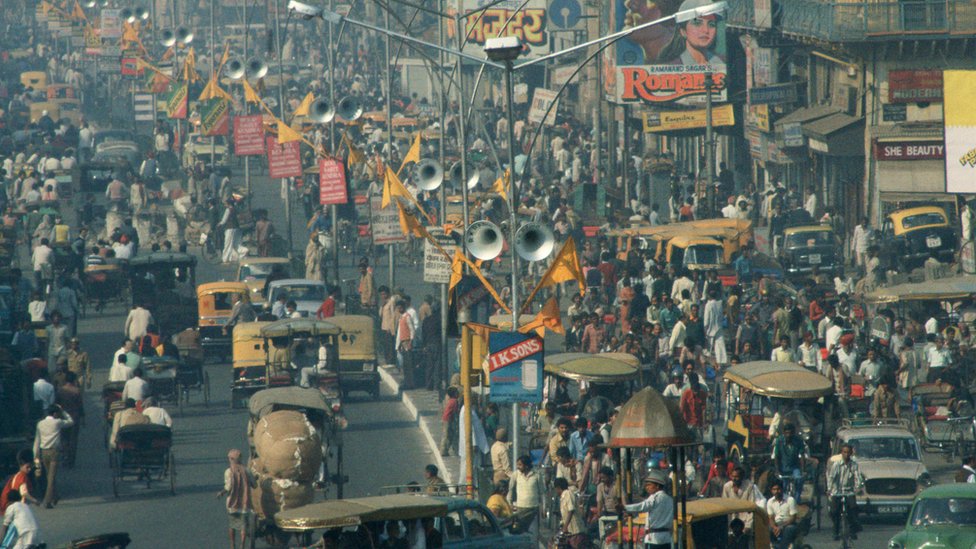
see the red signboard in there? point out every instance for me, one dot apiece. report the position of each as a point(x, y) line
point(332, 182)
point(909, 150)
point(915, 86)
point(130, 67)
point(248, 135)
point(284, 160)
point(514, 353)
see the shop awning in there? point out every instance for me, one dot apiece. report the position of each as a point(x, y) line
point(917, 131)
point(836, 135)
point(807, 114)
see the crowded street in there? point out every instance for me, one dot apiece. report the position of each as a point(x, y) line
point(534, 274)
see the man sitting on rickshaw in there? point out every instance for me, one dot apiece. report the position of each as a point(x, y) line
point(280, 356)
point(789, 458)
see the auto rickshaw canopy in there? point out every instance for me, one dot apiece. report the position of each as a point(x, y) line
point(779, 379)
point(594, 368)
point(356, 341)
point(288, 327)
point(162, 259)
point(356, 511)
point(266, 401)
point(941, 289)
point(211, 288)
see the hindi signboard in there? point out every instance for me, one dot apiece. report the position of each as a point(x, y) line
point(332, 182)
point(437, 267)
point(284, 160)
point(541, 100)
point(385, 222)
point(248, 135)
point(515, 364)
point(915, 86)
point(527, 20)
point(111, 23)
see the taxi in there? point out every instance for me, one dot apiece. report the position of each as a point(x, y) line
point(908, 237)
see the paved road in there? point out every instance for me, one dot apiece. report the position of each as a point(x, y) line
point(382, 447)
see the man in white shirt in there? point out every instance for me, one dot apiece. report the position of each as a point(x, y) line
point(860, 241)
point(659, 508)
point(808, 354)
point(782, 516)
point(19, 517)
point(681, 283)
point(41, 259)
point(832, 335)
point(44, 391)
point(47, 448)
point(937, 358)
point(414, 322)
point(932, 325)
point(120, 372)
point(871, 369)
point(156, 414)
point(526, 491)
point(137, 323)
point(848, 358)
point(730, 210)
point(136, 388)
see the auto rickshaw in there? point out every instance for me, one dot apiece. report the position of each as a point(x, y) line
point(291, 344)
point(706, 523)
point(34, 79)
point(253, 271)
point(357, 354)
point(164, 283)
point(250, 370)
point(214, 303)
point(696, 253)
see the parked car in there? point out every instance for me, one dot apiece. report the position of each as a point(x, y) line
point(890, 462)
point(942, 516)
point(908, 237)
point(198, 148)
point(118, 153)
point(808, 246)
point(308, 295)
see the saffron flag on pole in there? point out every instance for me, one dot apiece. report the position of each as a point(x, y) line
point(548, 318)
point(413, 155)
point(501, 186)
point(566, 267)
point(303, 107)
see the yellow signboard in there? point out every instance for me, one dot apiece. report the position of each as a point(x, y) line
point(760, 117)
point(665, 121)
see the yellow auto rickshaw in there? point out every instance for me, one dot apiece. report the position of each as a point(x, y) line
point(38, 109)
point(705, 521)
point(697, 253)
point(214, 303)
point(357, 354)
point(250, 370)
point(293, 344)
point(34, 79)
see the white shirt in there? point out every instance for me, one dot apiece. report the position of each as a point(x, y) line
point(848, 360)
point(158, 416)
point(41, 256)
point(781, 511)
point(120, 372)
point(122, 251)
point(861, 239)
point(47, 436)
point(44, 392)
point(683, 283)
point(729, 211)
point(136, 388)
point(660, 515)
point(19, 515)
point(936, 357)
point(931, 326)
point(832, 336)
point(810, 356)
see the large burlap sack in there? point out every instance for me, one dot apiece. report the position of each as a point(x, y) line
point(288, 446)
point(273, 495)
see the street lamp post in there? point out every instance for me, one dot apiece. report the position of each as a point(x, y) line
point(709, 145)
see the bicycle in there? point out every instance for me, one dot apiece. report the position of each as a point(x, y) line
point(845, 526)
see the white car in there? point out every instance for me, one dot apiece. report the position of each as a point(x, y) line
point(198, 148)
point(308, 295)
point(890, 461)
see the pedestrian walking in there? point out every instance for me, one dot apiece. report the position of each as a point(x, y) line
point(69, 398)
point(138, 322)
point(238, 483)
point(525, 493)
point(47, 449)
point(232, 233)
point(449, 422)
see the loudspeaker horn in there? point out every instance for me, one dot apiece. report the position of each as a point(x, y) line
point(140, 13)
point(454, 174)
point(128, 15)
point(430, 174)
point(167, 38)
point(473, 180)
point(234, 69)
point(350, 108)
point(321, 111)
point(534, 241)
point(90, 3)
point(256, 68)
point(484, 240)
point(184, 34)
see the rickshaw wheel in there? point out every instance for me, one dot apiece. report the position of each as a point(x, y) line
point(171, 469)
point(206, 389)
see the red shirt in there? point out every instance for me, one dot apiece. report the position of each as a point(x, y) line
point(14, 484)
point(693, 407)
point(327, 309)
point(450, 409)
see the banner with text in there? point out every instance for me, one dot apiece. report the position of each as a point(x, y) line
point(214, 116)
point(248, 135)
point(515, 364)
point(176, 100)
point(529, 24)
point(541, 100)
point(437, 268)
point(385, 222)
point(960, 131)
point(332, 182)
point(284, 160)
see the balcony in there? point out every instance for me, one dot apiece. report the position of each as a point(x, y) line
point(863, 21)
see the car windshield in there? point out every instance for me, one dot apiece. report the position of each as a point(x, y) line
point(205, 140)
point(301, 293)
point(258, 271)
point(959, 511)
point(810, 238)
point(703, 255)
point(921, 220)
point(885, 448)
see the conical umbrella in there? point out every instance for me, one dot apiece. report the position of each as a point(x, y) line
point(649, 420)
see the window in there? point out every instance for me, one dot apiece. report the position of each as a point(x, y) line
point(222, 302)
point(812, 238)
point(921, 220)
point(451, 527)
point(479, 524)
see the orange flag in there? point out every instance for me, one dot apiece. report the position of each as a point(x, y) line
point(413, 155)
point(566, 267)
point(548, 318)
point(303, 107)
point(501, 185)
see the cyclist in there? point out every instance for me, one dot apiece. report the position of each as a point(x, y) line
point(789, 457)
point(843, 481)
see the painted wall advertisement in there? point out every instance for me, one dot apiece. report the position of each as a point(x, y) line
point(515, 366)
point(530, 25)
point(960, 131)
point(668, 62)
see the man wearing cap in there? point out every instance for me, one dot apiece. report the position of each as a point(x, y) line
point(78, 363)
point(660, 511)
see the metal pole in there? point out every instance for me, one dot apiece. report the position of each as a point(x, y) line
point(460, 32)
point(466, 337)
point(709, 151)
point(333, 209)
point(213, 56)
point(512, 207)
point(152, 23)
point(281, 116)
point(389, 135)
point(625, 163)
point(247, 109)
point(443, 196)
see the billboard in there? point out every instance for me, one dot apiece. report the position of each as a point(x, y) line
point(332, 182)
point(515, 364)
point(959, 96)
point(666, 63)
point(530, 25)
